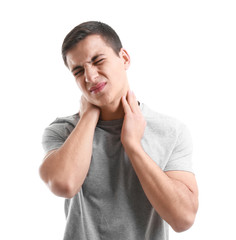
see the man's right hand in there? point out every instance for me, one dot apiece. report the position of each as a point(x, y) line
point(87, 107)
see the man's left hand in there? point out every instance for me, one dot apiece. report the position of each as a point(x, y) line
point(134, 123)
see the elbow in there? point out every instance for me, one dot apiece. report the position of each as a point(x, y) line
point(186, 219)
point(62, 188)
point(59, 186)
point(184, 223)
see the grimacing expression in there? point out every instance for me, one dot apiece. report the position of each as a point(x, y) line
point(99, 72)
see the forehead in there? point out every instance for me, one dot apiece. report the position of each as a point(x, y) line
point(86, 49)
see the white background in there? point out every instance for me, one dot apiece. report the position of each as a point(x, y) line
point(183, 57)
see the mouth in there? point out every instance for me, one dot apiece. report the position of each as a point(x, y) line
point(97, 88)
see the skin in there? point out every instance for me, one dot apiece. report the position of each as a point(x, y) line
point(173, 194)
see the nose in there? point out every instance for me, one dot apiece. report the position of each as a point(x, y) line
point(90, 74)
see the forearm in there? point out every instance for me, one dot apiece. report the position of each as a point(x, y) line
point(66, 168)
point(172, 199)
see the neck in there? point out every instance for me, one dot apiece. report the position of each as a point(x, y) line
point(112, 112)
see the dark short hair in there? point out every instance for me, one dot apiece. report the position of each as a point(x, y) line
point(85, 29)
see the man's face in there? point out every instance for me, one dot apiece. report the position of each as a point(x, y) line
point(99, 72)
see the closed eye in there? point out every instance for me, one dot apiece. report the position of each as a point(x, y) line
point(99, 61)
point(79, 72)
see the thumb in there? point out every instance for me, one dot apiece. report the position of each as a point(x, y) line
point(125, 105)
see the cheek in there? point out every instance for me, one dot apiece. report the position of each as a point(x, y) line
point(118, 74)
point(80, 85)
point(120, 78)
point(83, 89)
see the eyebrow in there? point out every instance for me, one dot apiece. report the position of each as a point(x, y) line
point(92, 60)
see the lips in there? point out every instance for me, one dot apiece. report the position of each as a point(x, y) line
point(97, 88)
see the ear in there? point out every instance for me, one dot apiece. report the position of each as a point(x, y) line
point(125, 57)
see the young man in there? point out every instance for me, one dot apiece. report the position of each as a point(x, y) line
point(124, 170)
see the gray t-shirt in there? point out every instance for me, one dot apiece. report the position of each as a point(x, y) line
point(111, 204)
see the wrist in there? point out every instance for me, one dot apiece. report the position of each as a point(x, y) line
point(133, 147)
point(91, 116)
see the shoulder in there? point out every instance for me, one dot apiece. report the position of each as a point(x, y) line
point(57, 132)
point(70, 120)
point(62, 125)
point(171, 138)
point(161, 123)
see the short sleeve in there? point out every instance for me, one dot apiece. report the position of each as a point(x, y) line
point(181, 156)
point(56, 134)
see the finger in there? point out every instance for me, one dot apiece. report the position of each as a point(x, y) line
point(125, 105)
point(133, 101)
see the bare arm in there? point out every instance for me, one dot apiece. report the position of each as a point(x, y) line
point(64, 170)
point(173, 194)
